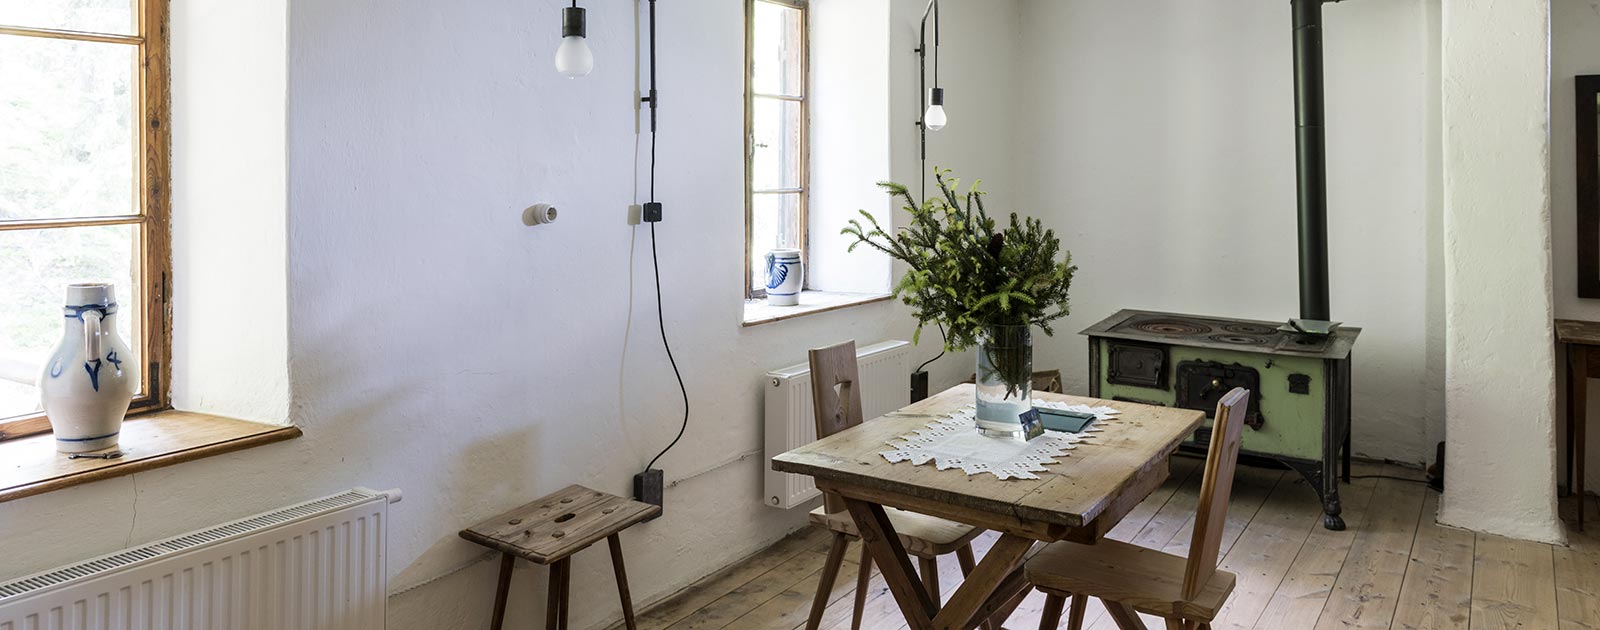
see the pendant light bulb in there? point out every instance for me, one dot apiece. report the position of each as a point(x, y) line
point(573, 58)
point(934, 118)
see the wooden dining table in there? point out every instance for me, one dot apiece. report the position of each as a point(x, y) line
point(1079, 498)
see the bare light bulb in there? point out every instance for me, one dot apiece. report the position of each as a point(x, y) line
point(573, 58)
point(934, 118)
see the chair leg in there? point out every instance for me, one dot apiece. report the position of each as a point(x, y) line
point(1177, 624)
point(501, 589)
point(622, 581)
point(1080, 605)
point(1125, 616)
point(968, 562)
point(863, 579)
point(830, 572)
point(930, 579)
point(1050, 619)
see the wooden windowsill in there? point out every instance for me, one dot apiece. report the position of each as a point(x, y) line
point(30, 465)
point(759, 312)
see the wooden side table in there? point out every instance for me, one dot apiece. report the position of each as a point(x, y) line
point(548, 531)
point(1578, 338)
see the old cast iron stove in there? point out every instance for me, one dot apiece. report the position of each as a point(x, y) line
point(1299, 384)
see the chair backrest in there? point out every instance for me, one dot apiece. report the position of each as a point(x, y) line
point(835, 397)
point(1216, 490)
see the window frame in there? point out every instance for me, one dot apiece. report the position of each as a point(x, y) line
point(152, 172)
point(803, 193)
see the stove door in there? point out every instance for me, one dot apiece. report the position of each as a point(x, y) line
point(1202, 383)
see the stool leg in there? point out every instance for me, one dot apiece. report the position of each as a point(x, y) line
point(555, 608)
point(500, 591)
point(622, 581)
point(566, 587)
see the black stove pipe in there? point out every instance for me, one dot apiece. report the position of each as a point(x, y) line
point(1310, 159)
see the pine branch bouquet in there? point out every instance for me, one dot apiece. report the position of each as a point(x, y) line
point(967, 273)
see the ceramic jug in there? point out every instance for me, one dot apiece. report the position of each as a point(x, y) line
point(785, 277)
point(90, 378)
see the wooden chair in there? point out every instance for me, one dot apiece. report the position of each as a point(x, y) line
point(1129, 579)
point(836, 398)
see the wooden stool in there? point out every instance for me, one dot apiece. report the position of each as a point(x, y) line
point(548, 531)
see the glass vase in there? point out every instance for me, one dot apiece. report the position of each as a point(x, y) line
point(1005, 379)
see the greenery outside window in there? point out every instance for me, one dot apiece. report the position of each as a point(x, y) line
point(776, 128)
point(84, 163)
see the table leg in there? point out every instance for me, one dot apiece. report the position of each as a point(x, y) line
point(1571, 415)
point(501, 589)
point(1000, 567)
point(878, 535)
point(1580, 401)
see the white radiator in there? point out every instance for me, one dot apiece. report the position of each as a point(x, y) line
point(885, 386)
point(316, 565)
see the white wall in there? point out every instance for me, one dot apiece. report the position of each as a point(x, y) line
point(1500, 394)
point(438, 346)
point(229, 300)
point(1158, 139)
point(1574, 50)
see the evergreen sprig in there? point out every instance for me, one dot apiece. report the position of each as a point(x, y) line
point(966, 273)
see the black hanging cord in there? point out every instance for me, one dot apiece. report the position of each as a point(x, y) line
point(941, 350)
point(922, 123)
point(655, 262)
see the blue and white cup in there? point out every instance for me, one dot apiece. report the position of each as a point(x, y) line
point(785, 276)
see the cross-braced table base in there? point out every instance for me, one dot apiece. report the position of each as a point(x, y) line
point(991, 592)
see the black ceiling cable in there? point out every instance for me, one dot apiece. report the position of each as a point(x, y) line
point(655, 263)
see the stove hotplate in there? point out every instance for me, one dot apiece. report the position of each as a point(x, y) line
point(1223, 333)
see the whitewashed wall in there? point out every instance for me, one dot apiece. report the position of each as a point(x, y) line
point(1574, 50)
point(438, 346)
point(1500, 393)
point(1158, 138)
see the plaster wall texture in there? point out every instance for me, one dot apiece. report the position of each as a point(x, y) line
point(1497, 269)
point(1574, 50)
point(1158, 140)
point(436, 345)
point(229, 208)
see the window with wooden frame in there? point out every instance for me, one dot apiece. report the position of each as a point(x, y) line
point(776, 126)
point(84, 155)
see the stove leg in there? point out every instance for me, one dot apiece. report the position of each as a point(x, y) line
point(1345, 455)
point(1322, 477)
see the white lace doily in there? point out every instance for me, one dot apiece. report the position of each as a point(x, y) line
point(953, 441)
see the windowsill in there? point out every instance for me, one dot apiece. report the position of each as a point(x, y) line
point(149, 441)
point(759, 312)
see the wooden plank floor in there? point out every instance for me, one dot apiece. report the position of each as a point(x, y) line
point(1393, 568)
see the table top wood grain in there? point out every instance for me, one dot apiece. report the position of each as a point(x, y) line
point(1104, 471)
point(1578, 331)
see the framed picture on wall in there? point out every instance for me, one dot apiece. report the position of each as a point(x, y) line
point(1588, 160)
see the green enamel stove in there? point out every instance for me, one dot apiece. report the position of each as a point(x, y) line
point(1299, 384)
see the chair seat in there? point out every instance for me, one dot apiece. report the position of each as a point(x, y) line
point(1148, 580)
point(923, 536)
